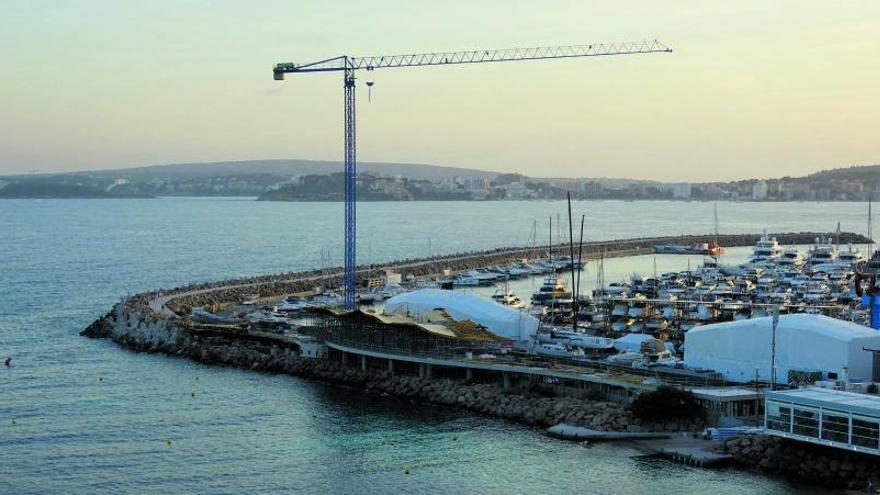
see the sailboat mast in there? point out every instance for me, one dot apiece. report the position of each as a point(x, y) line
point(870, 230)
point(580, 258)
point(716, 223)
point(550, 250)
point(574, 303)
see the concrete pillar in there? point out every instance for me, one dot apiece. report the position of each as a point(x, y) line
point(429, 371)
point(506, 378)
point(391, 366)
point(468, 373)
point(364, 363)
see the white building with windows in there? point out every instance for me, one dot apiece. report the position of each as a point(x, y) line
point(828, 417)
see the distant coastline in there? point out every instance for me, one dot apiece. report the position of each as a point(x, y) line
point(306, 181)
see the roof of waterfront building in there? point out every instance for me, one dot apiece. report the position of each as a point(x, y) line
point(726, 393)
point(501, 320)
point(830, 398)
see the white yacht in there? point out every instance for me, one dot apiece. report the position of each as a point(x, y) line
point(823, 254)
point(292, 304)
point(766, 250)
point(791, 258)
point(850, 257)
point(551, 291)
point(508, 298)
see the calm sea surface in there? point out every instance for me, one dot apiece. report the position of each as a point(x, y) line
point(84, 416)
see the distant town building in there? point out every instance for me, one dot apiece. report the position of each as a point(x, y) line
point(681, 190)
point(517, 190)
point(116, 183)
point(759, 190)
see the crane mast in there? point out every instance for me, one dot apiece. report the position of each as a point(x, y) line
point(349, 65)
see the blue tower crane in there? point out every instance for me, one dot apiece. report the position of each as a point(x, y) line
point(348, 65)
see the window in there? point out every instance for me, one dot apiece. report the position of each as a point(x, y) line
point(806, 422)
point(865, 431)
point(835, 426)
point(778, 417)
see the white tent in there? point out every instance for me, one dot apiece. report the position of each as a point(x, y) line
point(808, 343)
point(501, 320)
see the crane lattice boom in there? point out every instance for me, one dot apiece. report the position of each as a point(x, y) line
point(471, 57)
point(348, 65)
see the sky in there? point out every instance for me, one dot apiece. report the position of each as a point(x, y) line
point(752, 89)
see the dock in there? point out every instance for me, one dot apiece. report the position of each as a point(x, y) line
point(564, 431)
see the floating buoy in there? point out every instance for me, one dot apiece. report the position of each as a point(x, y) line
point(12, 421)
point(8, 361)
point(100, 378)
point(194, 395)
point(168, 442)
point(406, 471)
point(455, 437)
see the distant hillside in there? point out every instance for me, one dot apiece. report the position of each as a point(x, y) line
point(48, 188)
point(866, 173)
point(285, 168)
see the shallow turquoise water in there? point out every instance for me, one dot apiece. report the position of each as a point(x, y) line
point(83, 416)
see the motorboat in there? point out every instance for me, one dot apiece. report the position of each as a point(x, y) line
point(557, 350)
point(625, 358)
point(204, 316)
point(465, 281)
point(292, 304)
point(327, 299)
point(617, 288)
point(581, 340)
point(791, 258)
point(508, 298)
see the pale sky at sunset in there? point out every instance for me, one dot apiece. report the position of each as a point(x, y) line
point(754, 88)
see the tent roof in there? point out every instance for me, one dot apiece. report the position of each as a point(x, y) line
point(816, 324)
point(498, 319)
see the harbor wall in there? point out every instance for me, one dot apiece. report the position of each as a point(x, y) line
point(134, 330)
point(185, 298)
point(805, 462)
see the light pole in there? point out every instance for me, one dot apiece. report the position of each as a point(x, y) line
point(773, 349)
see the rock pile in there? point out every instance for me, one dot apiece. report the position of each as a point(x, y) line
point(522, 405)
point(805, 462)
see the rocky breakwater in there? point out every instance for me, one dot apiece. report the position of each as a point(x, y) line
point(182, 299)
point(804, 462)
point(136, 328)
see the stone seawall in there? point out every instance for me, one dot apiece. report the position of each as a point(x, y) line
point(146, 333)
point(804, 462)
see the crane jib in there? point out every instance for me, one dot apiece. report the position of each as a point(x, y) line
point(341, 63)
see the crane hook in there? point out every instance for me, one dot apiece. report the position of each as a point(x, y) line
point(370, 91)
